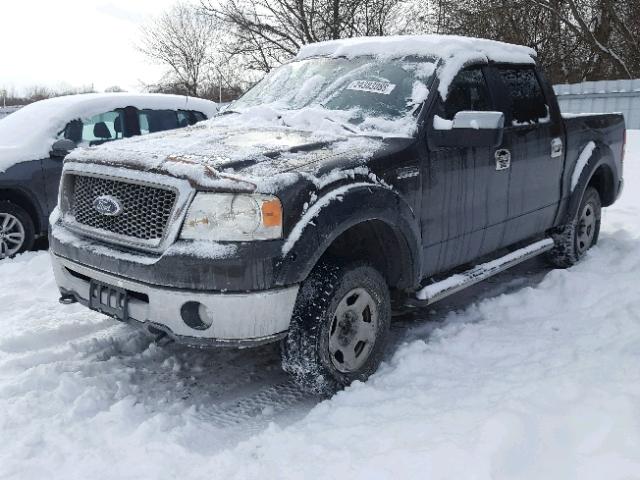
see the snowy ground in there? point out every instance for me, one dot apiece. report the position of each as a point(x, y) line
point(534, 374)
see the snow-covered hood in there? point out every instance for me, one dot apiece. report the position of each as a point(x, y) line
point(236, 150)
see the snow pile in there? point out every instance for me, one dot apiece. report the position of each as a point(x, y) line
point(29, 133)
point(539, 382)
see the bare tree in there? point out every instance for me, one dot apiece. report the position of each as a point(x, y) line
point(35, 93)
point(576, 39)
point(603, 25)
point(268, 32)
point(185, 40)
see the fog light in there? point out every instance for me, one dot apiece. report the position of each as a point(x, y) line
point(194, 314)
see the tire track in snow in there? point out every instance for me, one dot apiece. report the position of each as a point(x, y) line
point(255, 410)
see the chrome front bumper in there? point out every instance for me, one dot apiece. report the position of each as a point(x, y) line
point(237, 319)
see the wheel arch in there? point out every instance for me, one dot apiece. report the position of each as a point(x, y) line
point(600, 173)
point(602, 179)
point(26, 202)
point(371, 223)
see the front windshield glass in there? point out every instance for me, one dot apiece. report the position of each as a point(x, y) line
point(358, 90)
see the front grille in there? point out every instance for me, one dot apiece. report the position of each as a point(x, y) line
point(145, 209)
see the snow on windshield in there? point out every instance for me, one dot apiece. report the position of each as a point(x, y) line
point(364, 93)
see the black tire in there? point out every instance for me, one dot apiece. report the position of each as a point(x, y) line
point(574, 239)
point(25, 222)
point(306, 353)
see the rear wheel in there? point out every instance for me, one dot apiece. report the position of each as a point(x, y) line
point(339, 327)
point(574, 239)
point(17, 232)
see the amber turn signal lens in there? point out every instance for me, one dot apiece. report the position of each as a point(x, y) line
point(272, 213)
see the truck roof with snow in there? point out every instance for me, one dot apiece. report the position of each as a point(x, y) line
point(364, 176)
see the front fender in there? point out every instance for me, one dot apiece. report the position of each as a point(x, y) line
point(337, 211)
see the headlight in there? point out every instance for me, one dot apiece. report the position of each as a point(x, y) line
point(233, 217)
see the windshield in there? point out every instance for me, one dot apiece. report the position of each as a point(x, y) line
point(365, 88)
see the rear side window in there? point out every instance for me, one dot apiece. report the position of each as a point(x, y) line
point(198, 116)
point(468, 92)
point(157, 120)
point(98, 129)
point(527, 102)
point(184, 119)
point(160, 120)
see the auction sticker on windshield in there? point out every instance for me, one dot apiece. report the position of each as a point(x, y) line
point(383, 88)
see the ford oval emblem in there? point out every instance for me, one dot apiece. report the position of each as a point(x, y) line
point(107, 205)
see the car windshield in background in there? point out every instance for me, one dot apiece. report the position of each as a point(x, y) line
point(366, 87)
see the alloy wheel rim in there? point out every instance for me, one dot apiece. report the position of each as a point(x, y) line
point(12, 235)
point(586, 228)
point(353, 331)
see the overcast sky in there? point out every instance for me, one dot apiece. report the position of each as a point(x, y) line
point(75, 43)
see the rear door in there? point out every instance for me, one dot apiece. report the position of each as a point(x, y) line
point(533, 136)
point(464, 197)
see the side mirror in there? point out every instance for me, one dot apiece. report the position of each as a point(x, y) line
point(62, 147)
point(467, 129)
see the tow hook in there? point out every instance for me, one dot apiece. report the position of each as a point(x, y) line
point(67, 299)
point(161, 338)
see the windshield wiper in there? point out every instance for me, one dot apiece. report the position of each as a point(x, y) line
point(347, 128)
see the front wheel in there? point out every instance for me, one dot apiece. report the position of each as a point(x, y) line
point(17, 233)
point(574, 239)
point(339, 327)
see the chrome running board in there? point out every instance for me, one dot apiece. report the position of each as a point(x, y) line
point(459, 281)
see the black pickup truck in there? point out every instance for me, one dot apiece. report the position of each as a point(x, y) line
point(363, 176)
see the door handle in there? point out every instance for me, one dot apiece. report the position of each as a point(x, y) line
point(503, 159)
point(557, 148)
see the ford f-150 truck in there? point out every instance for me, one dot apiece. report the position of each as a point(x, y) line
point(366, 175)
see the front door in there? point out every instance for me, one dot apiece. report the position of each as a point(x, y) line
point(464, 207)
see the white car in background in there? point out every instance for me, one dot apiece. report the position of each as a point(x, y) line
point(35, 139)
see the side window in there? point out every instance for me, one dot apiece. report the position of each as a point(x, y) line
point(189, 117)
point(157, 120)
point(525, 93)
point(468, 91)
point(98, 129)
point(198, 116)
point(184, 119)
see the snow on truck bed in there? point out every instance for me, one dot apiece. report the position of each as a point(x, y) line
point(531, 375)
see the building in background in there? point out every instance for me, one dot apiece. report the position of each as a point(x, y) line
point(605, 96)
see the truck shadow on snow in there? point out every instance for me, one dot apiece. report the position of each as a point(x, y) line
point(420, 323)
point(239, 392)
